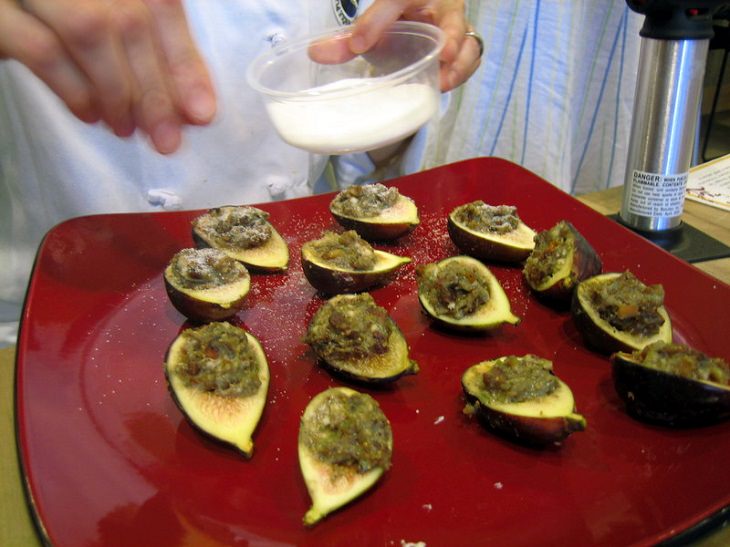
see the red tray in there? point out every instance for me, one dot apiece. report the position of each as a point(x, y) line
point(109, 459)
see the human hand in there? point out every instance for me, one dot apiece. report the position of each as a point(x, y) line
point(131, 64)
point(461, 55)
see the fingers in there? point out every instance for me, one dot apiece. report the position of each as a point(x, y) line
point(460, 56)
point(466, 62)
point(153, 105)
point(131, 63)
point(24, 38)
point(84, 29)
point(190, 77)
point(371, 25)
point(452, 58)
point(331, 51)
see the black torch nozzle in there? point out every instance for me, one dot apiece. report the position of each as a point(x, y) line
point(677, 19)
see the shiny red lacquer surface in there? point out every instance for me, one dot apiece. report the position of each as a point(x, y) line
point(110, 460)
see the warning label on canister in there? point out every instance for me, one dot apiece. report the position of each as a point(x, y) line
point(656, 195)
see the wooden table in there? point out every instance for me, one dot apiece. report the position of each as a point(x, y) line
point(711, 220)
point(16, 526)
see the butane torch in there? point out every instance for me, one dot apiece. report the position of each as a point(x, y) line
point(674, 45)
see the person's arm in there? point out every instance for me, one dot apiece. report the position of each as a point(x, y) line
point(132, 64)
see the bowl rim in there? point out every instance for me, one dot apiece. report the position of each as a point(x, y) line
point(426, 30)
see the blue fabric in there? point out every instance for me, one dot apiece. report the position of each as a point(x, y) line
point(554, 92)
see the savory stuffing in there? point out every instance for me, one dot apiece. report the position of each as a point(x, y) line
point(346, 250)
point(350, 328)
point(454, 289)
point(481, 217)
point(218, 359)
point(362, 201)
point(350, 431)
point(202, 269)
point(684, 361)
point(241, 227)
point(518, 379)
point(629, 305)
point(552, 250)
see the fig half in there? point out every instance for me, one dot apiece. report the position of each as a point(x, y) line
point(617, 312)
point(375, 212)
point(461, 293)
point(672, 384)
point(521, 399)
point(218, 376)
point(356, 338)
point(490, 232)
point(346, 263)
point(245, 234)
point(345, 445)
point(206, 284)
point(560, 260)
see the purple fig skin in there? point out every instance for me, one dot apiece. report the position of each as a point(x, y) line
point(201, 311)
point(330, 281)
point(545, 420)
point(374, 231)
point(658, 397)
point(598, 338)
point(483, 248)
point(527, 430)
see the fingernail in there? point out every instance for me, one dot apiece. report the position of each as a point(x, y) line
point(454, 78)
point(89, 115)
point(166, 137)
point(201, 106)
point(124, 126)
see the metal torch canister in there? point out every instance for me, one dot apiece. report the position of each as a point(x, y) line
point(674, 45)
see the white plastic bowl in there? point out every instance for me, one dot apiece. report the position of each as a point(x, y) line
point(368, 101)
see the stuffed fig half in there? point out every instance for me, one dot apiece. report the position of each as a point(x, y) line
point(560, 260)
point(356, 338)
point(618, 312)
point(345, 445)
point(345, 263)
point(218, 376)
point(521, 399)
point(490, 232)
point(461, 293)
point(672, 384)
point(245, 234)
point(206, 284)
point(375, 212)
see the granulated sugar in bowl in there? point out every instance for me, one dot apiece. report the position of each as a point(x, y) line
point(323, 99)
